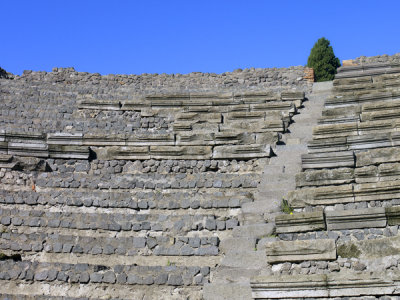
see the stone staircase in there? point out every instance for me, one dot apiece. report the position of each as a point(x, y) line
point(244, 251)
point(107, 191)
point(342, 239)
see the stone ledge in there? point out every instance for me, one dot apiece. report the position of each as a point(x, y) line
point(300, 222)
point(353, 219)
point(283, 251)
point(331, 285)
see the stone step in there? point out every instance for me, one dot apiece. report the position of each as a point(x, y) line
point(257, 207)
point(227, 291)
point(252, 259)
point(255, 230)
point(241, 244)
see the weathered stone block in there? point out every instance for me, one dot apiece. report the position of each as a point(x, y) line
point(64, 138)
point(241, 151)
point(283, 251)
point(150, 139)
point(92, 139)
point(325, 286)
point(328, 160)
point(300, 222)
point(393, 215)
point(68, 152)
point(377, 156)
point(385, 190)
point(129, 153)
point(99, 104)
point(324, 177)
point(352, 219)
point(321, 195)
point(180, 152)
point(334, 130)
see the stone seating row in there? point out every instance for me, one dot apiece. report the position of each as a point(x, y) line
point(190, 100)
point(147, 181)
point(350, 99)
point(367, 70)
point(131, 246)
point(377, 150)
point(365, 174)
point(135, 200)
point(345, 193)
point(376, 217)
point(116, 222)
point(325, 285)
point(132, 147)
point(370, 111)
point(30, 271)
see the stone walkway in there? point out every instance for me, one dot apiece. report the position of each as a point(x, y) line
point(244, 253)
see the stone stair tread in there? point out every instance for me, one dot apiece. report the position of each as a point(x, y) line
point(245, 259)
point(226, 291)
point(238, 244)
point(254, 230)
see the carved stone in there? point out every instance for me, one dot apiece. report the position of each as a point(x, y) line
point(283, 251)
point(352, 219)
point(300, 222)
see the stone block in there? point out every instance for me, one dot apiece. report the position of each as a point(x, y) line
point(99, 104)
point(328, 145)
point(128, 153)
point(393, 215)
point(195, 139)
point(37, 149)
point(325, 177)
point(241, 151)
point(199, 117)
point(353, 219)
point(377, 156)
point(244, 116)
point(234, 138)
point(279, 106)
point(300, 222)
point(369, 141)
point(284, 251)
point(324, 286)
point(335, 130)
point(135, 104)
point(276, 125)
point(292, 95)
point(180, 152)
point(92, 139)
point(68, 152)
point(328, 160)
point(321, 195)
point(150, 139)
point(64, 138)
point(385, 190)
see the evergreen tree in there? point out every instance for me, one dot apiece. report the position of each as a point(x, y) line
point(3, 73)
point(323, 60)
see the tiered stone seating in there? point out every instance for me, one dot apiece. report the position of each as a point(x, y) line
point(109, 193)
point(342, 238)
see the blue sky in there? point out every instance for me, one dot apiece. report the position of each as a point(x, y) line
point(149, 36)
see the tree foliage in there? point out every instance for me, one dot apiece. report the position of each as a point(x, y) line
point(3, 73)
point(323, 60)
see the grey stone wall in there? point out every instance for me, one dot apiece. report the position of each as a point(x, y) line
point(378, 59)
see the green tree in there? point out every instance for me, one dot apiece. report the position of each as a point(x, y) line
point(3, 73)
point(323, 60)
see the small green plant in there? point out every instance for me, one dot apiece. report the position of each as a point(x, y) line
point(170, 263)
point(286, 208)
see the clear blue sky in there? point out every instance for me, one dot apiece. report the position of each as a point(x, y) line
point(149, 36)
